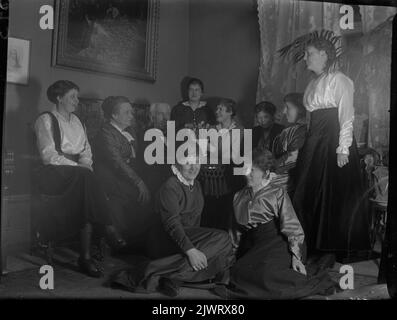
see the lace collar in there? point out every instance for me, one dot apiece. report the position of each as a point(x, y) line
point(181, 178)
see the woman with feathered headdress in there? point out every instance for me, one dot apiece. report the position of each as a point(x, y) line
point(329, 197)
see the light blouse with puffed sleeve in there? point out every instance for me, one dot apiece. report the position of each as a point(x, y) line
point(334, 90)
point(271, 202)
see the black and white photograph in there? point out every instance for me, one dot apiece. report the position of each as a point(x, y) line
point(219, 151)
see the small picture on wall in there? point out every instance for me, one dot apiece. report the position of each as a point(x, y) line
point(18, 60)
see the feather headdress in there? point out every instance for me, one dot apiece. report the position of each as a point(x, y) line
point(296, 50)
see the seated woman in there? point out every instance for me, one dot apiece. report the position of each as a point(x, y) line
point(287, 144)
point(67, 173)
point(115, 151)
point(184, 252)
point(193, 113)
point(264, 133)
point(269, 259)
point(217, 180)
point(155, 174)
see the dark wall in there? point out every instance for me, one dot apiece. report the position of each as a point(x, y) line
point(224, 50)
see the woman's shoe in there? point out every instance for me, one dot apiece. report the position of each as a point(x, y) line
point(89, 267)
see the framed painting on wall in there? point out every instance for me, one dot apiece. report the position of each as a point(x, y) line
point(18, 59)
point(116, 37)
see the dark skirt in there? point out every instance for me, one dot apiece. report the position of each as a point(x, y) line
point(263, 269)
point(170, 263)
point(75, 199)
point(330, 202)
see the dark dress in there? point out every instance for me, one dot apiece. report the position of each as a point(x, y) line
point(259, 140)
point(263, 268)
point(330, 201)
point(79, 199)
point(177, 230)
point(182, 114)
point(115, 167)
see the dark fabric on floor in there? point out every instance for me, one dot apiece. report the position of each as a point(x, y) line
point(264, 271)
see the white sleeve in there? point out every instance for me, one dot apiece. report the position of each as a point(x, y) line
point(46, 144)
point(86, 154)
point(344, 96)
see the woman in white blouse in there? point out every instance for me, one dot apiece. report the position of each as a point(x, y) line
point(67, 172)
point(329, 191)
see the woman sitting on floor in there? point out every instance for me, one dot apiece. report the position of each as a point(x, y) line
point(115, 153)
point(184, 253)
point(67, 173)
point(287, 144)
point(269, 259)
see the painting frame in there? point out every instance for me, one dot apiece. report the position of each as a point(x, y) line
point(18, 71)
point(62, 59)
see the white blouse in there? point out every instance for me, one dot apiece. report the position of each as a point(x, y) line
point(73, 140)
point(334, 90)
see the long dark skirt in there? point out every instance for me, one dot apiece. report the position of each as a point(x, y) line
point(263, 269)
point(170, 263)
point(77, 200)
point(330, 201)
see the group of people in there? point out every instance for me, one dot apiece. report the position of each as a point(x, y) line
point(300, 204)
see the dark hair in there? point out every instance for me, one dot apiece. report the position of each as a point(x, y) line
point(59, 89)
point(196, 81)
point(328, 47)
point(110, 105)
point(266, 107)
point(229, 104)
point(263, 159)
point(296, 98)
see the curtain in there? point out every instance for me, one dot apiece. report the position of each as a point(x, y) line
point(280, 22)
point(376, 75)
point(367, 59)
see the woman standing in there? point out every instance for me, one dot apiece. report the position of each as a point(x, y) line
point(329, 197)
point(67, 173)
point(194, 113)
point(270, 242)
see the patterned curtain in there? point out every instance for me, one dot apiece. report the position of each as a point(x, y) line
point(280, 22)
point(376, 75)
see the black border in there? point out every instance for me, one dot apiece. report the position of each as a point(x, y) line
point(259, 308)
